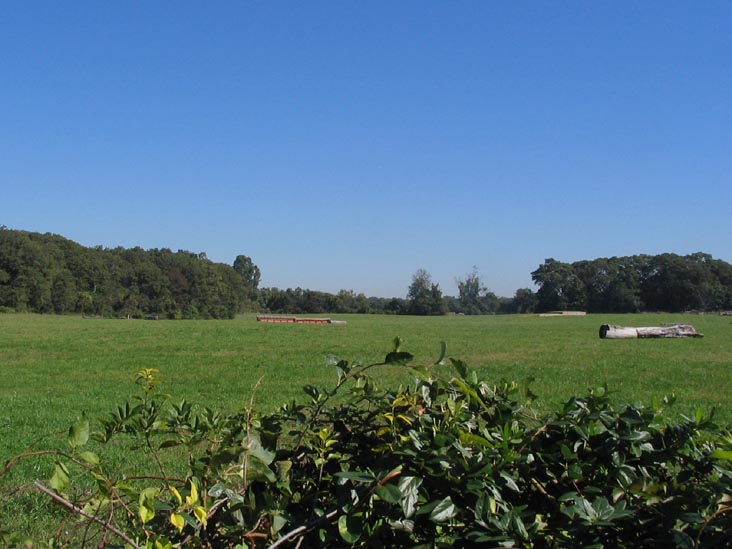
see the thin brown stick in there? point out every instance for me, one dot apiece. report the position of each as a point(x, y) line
point(74, 509)
point(11, 462)
point(153, 477)
point(721, 511)
point(304, 528)
point(164, 475)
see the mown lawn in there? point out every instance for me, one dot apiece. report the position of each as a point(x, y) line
point(54, 368)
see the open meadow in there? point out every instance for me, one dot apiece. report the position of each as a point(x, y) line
point(54, 368)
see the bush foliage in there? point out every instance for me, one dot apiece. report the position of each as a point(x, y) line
point(451, 460)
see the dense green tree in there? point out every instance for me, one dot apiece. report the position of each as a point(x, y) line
point(387, 305)
point(347, 301)
point(424, 297)
point(523, 302)
point(474, 298)
point(250, 275)
point(560, 289)
point(305, 301)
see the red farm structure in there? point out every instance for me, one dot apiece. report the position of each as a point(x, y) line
point(296, 320)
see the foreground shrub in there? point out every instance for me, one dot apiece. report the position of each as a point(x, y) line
point(449, 461)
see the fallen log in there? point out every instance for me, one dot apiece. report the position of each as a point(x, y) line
point(610, 331)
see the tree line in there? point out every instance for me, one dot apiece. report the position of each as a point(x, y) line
point(47, 273)
point(665, 282)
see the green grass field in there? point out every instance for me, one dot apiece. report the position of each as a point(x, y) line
point(54, 368)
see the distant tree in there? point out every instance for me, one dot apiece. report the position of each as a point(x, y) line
point(424, 297)
point(362, 304)
point(347, 301)
point(453, 304)
point(419, 295)
point(248, 271)
point(474, 298)
point(470, 292)
point(389, 306)
point(560, 289)
point(679, 283)
point(250, 276)
point(524, 301)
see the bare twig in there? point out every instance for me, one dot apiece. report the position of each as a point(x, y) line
point(11, 462)
point(153, 477)
point(74, 509)
point(164, 475)
point(709, 520)
point(304, 528)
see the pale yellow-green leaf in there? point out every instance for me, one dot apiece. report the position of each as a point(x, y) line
point(200, 513)
point(193, 498)
point(178, 521)
point(176, 493)
point(146, 511)
point(147, 504)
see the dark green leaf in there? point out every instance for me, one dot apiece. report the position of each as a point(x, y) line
point(460, 367)
point(390, 493)
point(398, 358)
point(443, 352)
point(312, 391)
point(354, 476)
point(258, 470)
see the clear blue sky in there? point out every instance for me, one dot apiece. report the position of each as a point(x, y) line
point(347, 144)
